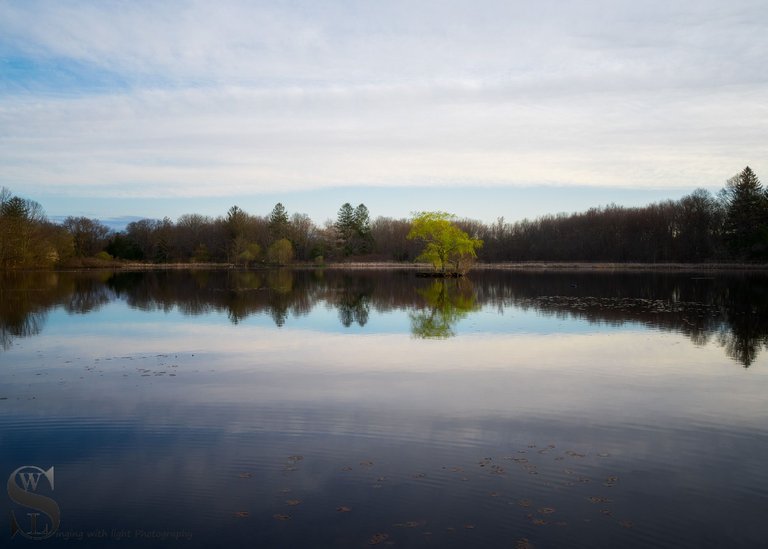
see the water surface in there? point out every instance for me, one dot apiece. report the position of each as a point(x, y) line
point(348, 409)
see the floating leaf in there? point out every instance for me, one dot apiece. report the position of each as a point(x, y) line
point(412, 523)
point(343, 509)
point(241, 514)
point(546, 510)
point(293, 502)
point(598, 499)
point(378, 538)
point(281, 517)
point(246, 475)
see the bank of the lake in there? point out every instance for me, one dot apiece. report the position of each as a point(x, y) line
point(600, 266)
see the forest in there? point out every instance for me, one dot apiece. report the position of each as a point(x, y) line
point(730, 226)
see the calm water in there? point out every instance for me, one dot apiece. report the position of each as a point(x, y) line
point(330, 409)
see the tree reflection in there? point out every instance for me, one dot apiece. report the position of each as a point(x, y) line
point(745, 331)
point(447, 301)
point(354, 300)
point(728, 310)
point(26, 298)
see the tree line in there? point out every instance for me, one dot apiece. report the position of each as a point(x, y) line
point(731, 225)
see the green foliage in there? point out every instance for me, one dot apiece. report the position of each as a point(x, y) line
point(280, 252)
point(279, 224)
point(236, 220)
point(445, 244)
point(250, 254)
point(746, 221)
point(201, 254)
point(447, 302)
point(353, 227)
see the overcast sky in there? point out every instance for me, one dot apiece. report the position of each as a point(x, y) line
point(485, 108)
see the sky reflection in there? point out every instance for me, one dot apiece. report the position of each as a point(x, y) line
point(593, 416)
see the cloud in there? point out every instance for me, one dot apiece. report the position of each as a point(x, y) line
point(241, 97)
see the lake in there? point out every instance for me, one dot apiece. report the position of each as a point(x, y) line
point(359, 408)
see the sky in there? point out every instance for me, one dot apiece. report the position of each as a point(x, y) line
point(126, 109)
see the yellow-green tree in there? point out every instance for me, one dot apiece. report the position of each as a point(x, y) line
point(250, 254)
point(445, 244)
point(280, 252)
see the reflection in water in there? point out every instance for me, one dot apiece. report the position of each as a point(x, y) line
point(296, 408)
point(728, 309)
point(26, 298)
point(447, 302)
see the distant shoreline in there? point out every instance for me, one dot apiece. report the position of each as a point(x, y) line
point(601, 266)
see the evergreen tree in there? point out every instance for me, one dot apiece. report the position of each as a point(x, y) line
point(746, 220)
point(279, 224)
point(362, 237)
point(353, 227)
point(345, 227)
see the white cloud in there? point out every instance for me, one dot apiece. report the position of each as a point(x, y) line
point(243, 97)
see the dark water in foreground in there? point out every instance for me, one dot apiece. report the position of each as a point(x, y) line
point(306, 409)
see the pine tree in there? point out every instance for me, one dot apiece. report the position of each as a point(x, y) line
point(746, 221)
point(278, 222)
point(362, 237)
point(345, 227)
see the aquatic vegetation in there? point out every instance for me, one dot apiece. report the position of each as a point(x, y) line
point(377, 538)
point(598, 499)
